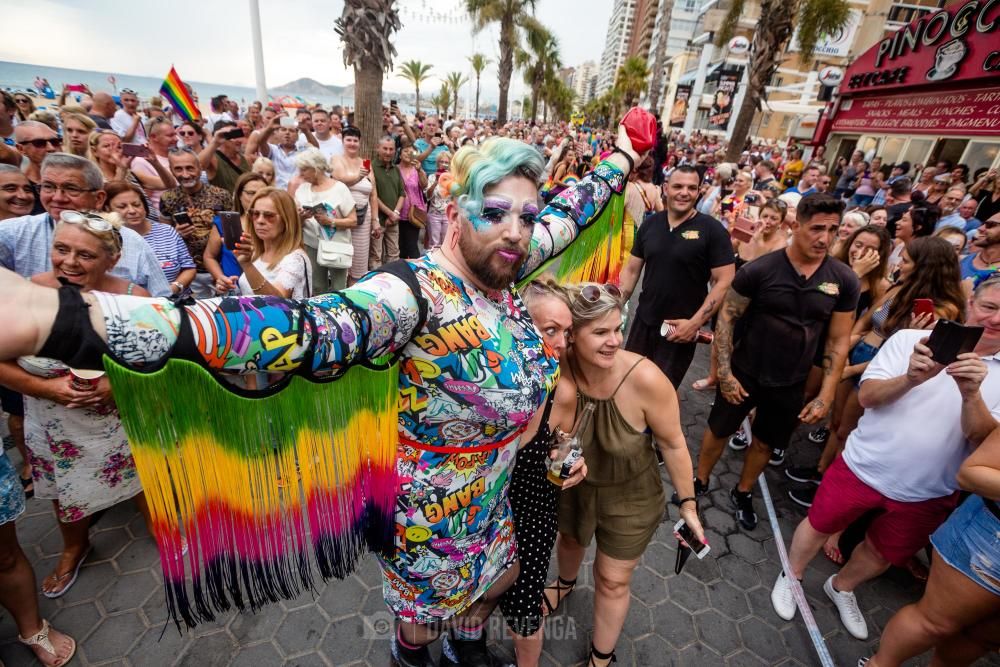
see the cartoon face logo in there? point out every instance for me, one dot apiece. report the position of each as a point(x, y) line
point(444, 581)
point(418, 534)
point(458, 430)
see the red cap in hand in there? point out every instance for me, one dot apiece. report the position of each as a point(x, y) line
point(640, 125)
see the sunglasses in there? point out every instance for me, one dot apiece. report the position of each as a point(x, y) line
point(270, 216)
point(91, 221)
point(42, 143)
point(991, 224)
point(592, 293)
point(22, 100)
point(128, 91)
point(189, 133)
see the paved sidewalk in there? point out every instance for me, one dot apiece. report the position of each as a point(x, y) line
point(717, 612)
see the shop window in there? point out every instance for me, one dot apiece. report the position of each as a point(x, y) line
point(891, 149)
point(980, 154)
point(868, 145)
point(948, 150)
point(916, 151)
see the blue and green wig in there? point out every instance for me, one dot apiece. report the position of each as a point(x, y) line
point(475, 168)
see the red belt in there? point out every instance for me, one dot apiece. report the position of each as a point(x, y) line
point(462, 449)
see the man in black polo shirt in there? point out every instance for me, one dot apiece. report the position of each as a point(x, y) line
point(786, 300)
point(682, 251)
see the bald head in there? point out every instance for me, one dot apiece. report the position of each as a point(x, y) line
point(32, 129)
point(103, 105)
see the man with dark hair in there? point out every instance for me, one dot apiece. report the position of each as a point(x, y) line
point(223, 157)
point(786, 300)
point(327, 135)
point(763, 174)
point(682, 250)
point(898, 201)
point(220, 111)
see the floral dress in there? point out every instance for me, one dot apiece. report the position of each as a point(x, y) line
point(470, 380)
point(79, 456)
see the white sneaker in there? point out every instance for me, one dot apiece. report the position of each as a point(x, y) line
point(782, 599)
point(847, 605)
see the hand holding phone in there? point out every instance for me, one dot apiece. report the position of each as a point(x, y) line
point(232, 228)
point(288, 122)
point(743, 229)
point(950, 339)
point(233, 133)
point(686, 544)
point(134, 150)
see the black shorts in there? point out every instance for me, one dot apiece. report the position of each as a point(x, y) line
point(673, 359)
point(12, 402)
point(777, 417)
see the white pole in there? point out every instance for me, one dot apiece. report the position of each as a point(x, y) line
point(738, 102)
point(258, 51)
point(699, 86)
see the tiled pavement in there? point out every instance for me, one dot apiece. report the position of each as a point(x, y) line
point(717, 612)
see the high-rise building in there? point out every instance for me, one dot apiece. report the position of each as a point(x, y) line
point(616, 43)
point(644, 18)
point(680, 18)
point(584, 82)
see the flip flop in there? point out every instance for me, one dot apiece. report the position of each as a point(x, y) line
point(41, 640)
point(59, 578)
point(703, 384)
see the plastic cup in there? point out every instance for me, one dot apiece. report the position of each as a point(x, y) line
point(84, 380)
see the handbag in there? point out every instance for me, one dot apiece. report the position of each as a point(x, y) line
point(418, 217)
point(334, 254)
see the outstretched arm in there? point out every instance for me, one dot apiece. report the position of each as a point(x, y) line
point(229, 335)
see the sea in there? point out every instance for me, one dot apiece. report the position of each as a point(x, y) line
point(21, 76)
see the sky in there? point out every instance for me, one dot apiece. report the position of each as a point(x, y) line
point(210, 41)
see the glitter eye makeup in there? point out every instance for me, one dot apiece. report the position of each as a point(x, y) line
point(496, 209)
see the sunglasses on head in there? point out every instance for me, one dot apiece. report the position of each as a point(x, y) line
point(592, 293)
point(42, 143)
point(91, 221)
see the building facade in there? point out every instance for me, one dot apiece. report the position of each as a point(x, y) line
point(616, 43)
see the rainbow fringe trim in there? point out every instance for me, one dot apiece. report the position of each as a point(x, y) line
point(257, 484)
point(599, 254)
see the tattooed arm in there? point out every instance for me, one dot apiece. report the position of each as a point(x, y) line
point(686, 330)
point(834, 356)
point(732, 309)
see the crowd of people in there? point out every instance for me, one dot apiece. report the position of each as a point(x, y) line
point(847, 263)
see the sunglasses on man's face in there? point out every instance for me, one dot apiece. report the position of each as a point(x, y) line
point(42, 143)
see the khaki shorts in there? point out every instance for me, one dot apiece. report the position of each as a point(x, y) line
point(622, 517)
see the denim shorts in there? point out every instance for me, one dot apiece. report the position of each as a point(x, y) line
point(11, 491)
point(969, 541)
point(860, 353)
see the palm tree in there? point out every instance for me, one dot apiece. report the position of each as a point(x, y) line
point(539, 60)
point(559, 99)
point(479, 63)
point(631, 81)
point(442, 99)
point(365, 27)
point(455, 82)
point(416, 73)
point(778, 19)
point(509, 14)
point(657, 81)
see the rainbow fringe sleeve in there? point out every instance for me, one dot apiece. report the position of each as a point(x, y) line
point(262, 490)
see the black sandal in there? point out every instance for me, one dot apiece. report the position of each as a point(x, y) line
point(25, 483)
point(594, 653)
point(560, 586)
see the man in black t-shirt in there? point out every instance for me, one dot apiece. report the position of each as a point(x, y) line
point(682, 252)
point(785, 300)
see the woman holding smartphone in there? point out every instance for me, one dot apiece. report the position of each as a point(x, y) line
point(356, 173)
point(220, 260)
point(768, 236)
point(636, 409)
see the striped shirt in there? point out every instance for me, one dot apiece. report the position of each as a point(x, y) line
point(170, 250)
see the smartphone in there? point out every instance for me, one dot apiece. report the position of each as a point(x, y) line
point(950, 339)
point(699, 548)
point(392, 103)
point(236, 133)
point(232, 228)
point(742, 230)
point(753, 212)
point(750, 198)
point(923, 307)
point(367, 164)
point(181, 218)
point(76, 88)
point(288, 121)
point(133, 150)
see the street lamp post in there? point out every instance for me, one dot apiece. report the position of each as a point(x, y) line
point(258, 51)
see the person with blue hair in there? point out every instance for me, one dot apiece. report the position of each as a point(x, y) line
point(474, 371)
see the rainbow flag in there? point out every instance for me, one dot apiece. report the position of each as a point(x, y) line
point(177, 94)
point(264, 491)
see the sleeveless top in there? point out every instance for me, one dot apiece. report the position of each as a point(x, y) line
point(615, 452)
point(879, 318)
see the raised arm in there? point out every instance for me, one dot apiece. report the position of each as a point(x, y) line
point(230, 335)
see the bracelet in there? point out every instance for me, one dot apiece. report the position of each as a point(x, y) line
point(691, 499)
point(258, 287)
point(631, 162)
point(180, 288)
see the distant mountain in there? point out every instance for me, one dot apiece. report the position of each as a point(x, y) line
point(307, 87)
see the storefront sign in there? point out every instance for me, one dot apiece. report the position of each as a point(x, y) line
point(831, 76)
point(722, 103)
point(739, 45)
point(960, 43)
point(836, 44)
point(968, 112)
point(679, 112)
